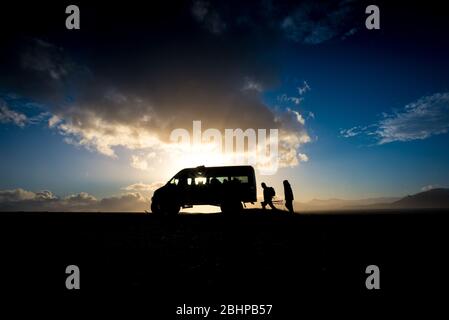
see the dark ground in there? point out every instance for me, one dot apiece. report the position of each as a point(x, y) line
point(260, 258)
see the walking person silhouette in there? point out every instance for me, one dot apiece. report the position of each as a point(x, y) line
point(288, 196)
point(268, 194)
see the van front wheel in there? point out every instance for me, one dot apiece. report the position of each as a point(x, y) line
point(155, 208)
point(169, 209)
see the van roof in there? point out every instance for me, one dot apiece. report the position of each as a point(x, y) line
point(223, 169)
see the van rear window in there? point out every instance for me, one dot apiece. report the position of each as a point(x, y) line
point(242, 179)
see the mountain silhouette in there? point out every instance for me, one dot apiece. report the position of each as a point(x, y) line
point(431, 199)
point(434, 198)
point(342, 204)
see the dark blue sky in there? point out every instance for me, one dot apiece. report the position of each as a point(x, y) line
point(80, 109)
point(353, 83)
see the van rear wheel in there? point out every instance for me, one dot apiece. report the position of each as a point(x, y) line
point(234, 207)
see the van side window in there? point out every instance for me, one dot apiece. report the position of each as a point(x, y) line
point(222, 179)
point(200, 180)
point(242, 179)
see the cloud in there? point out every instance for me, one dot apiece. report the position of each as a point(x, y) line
point(81, 198)
point(306, 22)
point(142, 187)
point(16, 195)
point(45, 57)
point(130, 95)
point(351, 132)
point(303, 157)
point(44, 195)
point(314, 23)
point(20, 111)
point(203, 12)
point(304, 88)
point(284, 98)
point(291, 137)
point(295, 100)
point(349, 33)
point(419, 120)
point(252, 85)
point(130, 202)
point(430, 187)
point(23, 200)
point(136, 110)
point(10, 116)
point(139, 163)
point(299, 118)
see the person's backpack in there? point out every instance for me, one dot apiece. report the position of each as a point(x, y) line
point(271, 191)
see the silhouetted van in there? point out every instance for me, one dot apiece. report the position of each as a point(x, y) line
point(226, 187)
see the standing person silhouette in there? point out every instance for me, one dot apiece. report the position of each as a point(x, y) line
point(288, 196)
point(268, 194)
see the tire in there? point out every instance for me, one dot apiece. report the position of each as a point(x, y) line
point(231, 208)
point(171, 209)
point(168, 209)
point(155, 207)
point(223, 208)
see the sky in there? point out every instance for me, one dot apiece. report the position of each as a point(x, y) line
point(86, 115)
